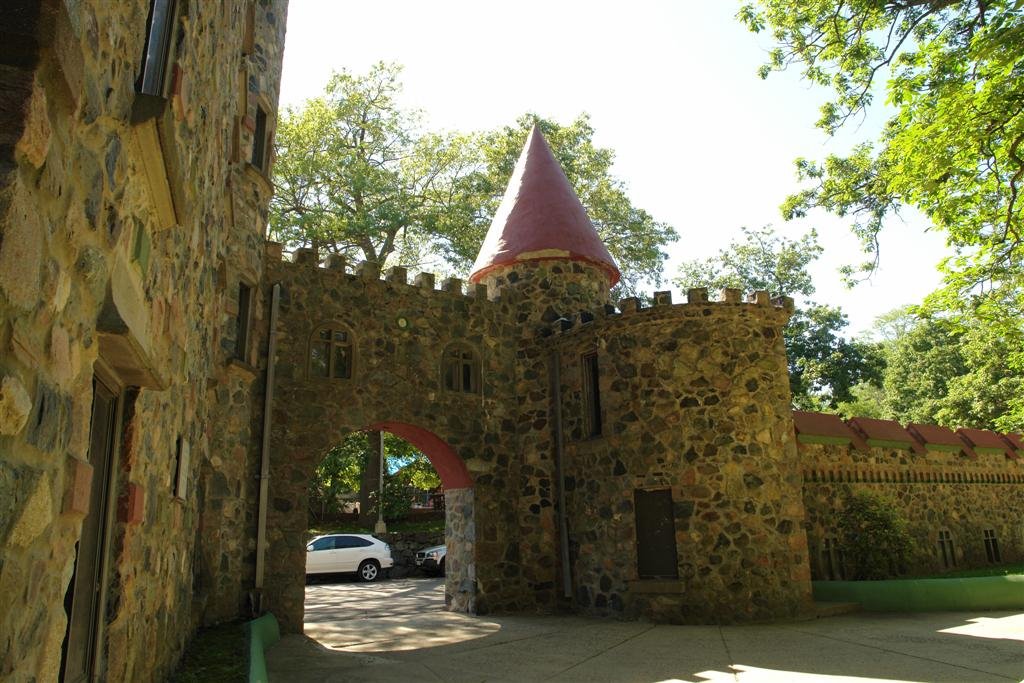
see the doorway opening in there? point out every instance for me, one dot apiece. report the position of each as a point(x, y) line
point(403, 545)
point(83, 601)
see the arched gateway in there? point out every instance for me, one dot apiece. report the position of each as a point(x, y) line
point(638, 462)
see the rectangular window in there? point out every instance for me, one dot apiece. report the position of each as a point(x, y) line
point(992, 546)
point(592, 394)
point(179, 485)
point(655, 535)
point(946, 549)
point(242, 321)
point(259, 141)
point(156, 56)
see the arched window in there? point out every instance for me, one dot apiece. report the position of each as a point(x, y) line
point(330, 352)
point(460, 369)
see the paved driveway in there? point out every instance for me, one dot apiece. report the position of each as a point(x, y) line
point(396, 631)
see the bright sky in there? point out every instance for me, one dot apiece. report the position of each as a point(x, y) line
point(700, 140)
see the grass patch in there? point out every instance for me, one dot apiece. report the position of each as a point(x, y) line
point(214, 655)
point(405, 526)
point(999, 570)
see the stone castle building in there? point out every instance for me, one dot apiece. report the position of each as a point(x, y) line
point(168, 381)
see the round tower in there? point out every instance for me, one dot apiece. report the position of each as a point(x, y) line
point(541, 250)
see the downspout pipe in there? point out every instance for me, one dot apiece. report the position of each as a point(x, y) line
point(556, 425)
point(268, 404)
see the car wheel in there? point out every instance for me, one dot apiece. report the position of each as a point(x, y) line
point(440, 568)
point(369, 570)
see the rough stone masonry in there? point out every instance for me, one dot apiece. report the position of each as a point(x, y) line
point(629, 460)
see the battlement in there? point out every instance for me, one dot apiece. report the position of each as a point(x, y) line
point(697, 304)
point(369, 271)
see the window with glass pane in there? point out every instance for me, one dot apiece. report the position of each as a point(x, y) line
point(330, 354)
point(461, 371)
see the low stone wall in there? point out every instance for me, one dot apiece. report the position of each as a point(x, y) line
point(404, 545)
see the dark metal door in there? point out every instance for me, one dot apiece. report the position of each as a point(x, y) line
point(655, 535)
point(83, 594)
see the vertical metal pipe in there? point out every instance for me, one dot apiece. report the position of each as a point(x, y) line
point(268, 403)
point(556, 425)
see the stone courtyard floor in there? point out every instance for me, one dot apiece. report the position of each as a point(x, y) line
point(395, 630)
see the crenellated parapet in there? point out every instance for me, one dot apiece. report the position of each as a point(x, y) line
point(662, 310)
point(305, 259)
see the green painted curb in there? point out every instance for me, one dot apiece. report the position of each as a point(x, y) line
point(927, 595)
point(262, 633)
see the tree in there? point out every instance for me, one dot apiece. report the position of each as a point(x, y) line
point(340, 475)
point(953, 148)
point(356, 175)
point(824, 366)
point(874, 537)
point(944, 370)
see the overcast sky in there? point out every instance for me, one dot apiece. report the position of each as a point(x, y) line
point(672, 87)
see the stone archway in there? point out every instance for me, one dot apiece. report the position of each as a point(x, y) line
point(287, 521)
point(459, 522)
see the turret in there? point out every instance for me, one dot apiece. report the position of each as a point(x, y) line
point(541, 247)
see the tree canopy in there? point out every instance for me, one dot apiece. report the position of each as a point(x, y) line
point(946, 370)
point(357, 175)
point(952, 148)
point(823, 364)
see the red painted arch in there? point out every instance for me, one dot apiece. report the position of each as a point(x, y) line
point(450, 467)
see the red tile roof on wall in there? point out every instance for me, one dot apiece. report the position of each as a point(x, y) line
point(1017, 442)
point(985, 438)
point(940, 436)
point(884, 430)
point(541, 218)
point(825, 424)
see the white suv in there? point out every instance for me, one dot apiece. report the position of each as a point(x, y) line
point(432, 559)
point(359, 553)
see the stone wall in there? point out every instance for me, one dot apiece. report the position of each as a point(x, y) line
point(400, 330)
point(934, 490)
point(694, 399)
point(123, 235)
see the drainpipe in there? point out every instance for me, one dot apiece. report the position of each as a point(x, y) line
point(268, 403)
point(556, 425)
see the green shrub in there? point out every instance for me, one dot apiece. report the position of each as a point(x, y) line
point(873, 537)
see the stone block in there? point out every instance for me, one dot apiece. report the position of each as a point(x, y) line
point(663, 298)
point(78, 492)
point(15, 405)
point(131, 505)
point(368, 270)
point(424, 280)
point(452, 285)
point(398, 275)
point(336, 262)
point(697, 295)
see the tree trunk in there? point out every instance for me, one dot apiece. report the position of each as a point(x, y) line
point(370, 483)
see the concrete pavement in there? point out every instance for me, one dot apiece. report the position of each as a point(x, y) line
point(396, 631)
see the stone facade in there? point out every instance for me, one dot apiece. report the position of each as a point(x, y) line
point(136, 299)
point(694, 397)
point(127, 223)
point(935, 490)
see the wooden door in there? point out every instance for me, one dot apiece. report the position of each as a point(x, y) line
point(655, 535)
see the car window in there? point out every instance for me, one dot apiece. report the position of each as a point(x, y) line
point(352, 542)
point(323, 543)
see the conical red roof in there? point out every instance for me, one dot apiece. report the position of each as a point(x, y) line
point(540, 217)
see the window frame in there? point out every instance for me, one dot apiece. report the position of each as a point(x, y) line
point(159, 52)
point(331, 342)
point(243, 320)
point(468, 359)
point(593, 417)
